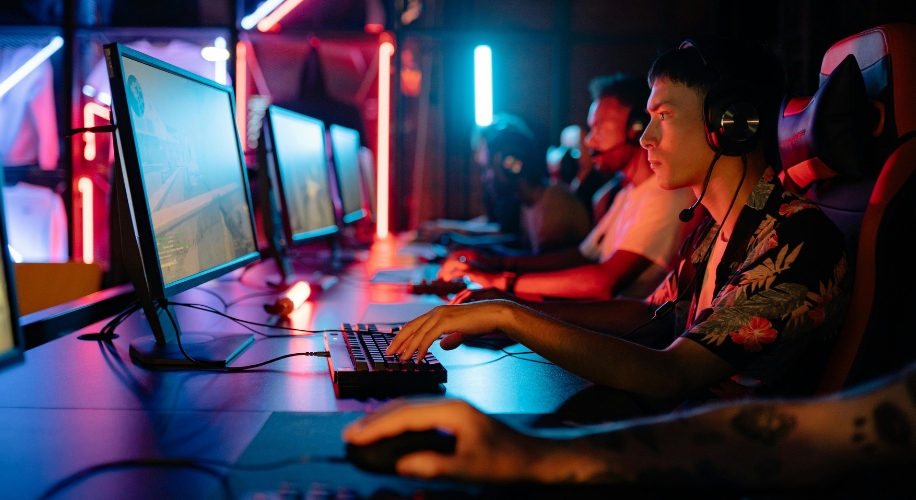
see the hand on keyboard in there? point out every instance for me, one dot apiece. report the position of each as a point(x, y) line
point(457, 323)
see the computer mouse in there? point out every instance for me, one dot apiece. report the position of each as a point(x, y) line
point(382, 455)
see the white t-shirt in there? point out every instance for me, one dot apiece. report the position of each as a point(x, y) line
point(36, 223)
point(643, 220)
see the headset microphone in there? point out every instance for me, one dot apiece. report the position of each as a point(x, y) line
point(687, 214)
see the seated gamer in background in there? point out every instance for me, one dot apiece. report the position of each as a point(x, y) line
point(517, 194)
point(761, 284)
point(632, 247)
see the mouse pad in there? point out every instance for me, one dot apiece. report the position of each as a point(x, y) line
point(286, 436)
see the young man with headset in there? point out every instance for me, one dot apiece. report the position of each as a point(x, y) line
point(760, 286)
point(632, 247)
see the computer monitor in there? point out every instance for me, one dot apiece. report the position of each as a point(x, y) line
point(300, 202)
point(367, 167)
point(11, 343)
point(345, 146)
point(185, 209)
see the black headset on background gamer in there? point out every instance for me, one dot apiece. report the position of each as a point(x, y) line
point(636, 124)
point(731, 119)
point(733, 128)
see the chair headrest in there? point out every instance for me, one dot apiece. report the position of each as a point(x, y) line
point(887, 57)
point(827, 135)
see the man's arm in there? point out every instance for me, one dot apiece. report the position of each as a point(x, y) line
point(602, 359)
point(553, 261)
point(754, 444)
point(592, 281)
point(614, 317)
point(489, 268)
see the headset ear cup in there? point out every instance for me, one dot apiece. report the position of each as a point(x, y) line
point(732, 121)
point(636, 124)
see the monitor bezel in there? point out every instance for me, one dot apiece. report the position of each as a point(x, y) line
point(136, 189)
point(347, 218)
point(15, 353)
point(276, 179)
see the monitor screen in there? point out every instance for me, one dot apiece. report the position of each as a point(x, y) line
point(192, 172)
point(345, 143)
point(302, 164)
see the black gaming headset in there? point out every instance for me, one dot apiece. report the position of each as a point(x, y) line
point(730, 117)
point(636, 123)
point(732, 121)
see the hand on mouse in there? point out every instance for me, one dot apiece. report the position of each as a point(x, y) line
point(459, 323)
point(486, 449)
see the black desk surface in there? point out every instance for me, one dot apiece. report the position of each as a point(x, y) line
point(75, 403)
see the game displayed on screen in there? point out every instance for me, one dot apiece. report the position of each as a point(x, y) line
point(299, 146)
point(6, 325)
point(345, 142)
point(191, 168)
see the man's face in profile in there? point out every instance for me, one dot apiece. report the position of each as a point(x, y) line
point(607, 137)
point(676, 138)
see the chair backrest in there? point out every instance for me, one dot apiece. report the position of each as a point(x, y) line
point(877, 212)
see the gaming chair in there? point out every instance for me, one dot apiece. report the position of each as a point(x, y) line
point(851, 148)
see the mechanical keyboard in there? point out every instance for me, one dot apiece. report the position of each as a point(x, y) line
point(358, 364)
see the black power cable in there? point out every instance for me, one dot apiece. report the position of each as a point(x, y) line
point(204, 465)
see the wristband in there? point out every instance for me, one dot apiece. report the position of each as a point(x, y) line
point(510, 281)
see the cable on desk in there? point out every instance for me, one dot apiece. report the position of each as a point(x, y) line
point(222, 368)
point(106, 334)
point(178, 463)
point(202, 464)
point(244, 322)
point(218, 297)
point(251, 296)
point(510, 354)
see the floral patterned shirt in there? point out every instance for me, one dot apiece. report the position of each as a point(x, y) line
point(781, 290)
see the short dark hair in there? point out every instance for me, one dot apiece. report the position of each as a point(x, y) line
point(629, 90)
point(747, 63)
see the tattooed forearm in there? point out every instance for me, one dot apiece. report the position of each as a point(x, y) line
point(763, 423)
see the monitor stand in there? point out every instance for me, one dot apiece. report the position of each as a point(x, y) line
point(162, 347)
point(214, 351)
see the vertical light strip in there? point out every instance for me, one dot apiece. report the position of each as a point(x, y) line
point(241, 91)
point(84, 186)
point(30, 65)
point(268, 22)
point(385, 52)
point(89, 113)
point(483, 85)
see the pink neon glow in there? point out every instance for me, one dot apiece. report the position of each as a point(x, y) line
point(385, 52)
point(241, 91)
point(84, 186)
point(89, 113)
point(285, 8)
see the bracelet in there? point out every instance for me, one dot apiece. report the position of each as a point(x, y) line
point(511, 278)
